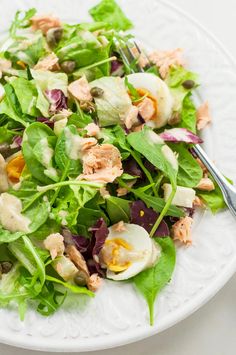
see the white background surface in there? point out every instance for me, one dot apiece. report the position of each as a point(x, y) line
point(211, 330)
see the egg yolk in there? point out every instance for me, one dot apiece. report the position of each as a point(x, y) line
point(144, 93)
point(14, 168)
point(115, 254)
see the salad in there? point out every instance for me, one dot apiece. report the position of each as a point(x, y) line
point(97, 176)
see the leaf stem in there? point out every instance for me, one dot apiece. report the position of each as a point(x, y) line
point(43, 189)
point(145, 170)
point(99, 63)
point(64, 175)
point(163, 212)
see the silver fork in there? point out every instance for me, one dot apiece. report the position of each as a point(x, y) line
point(228, 191)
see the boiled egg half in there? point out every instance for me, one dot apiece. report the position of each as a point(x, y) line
point(128, 252)
point(157, 90)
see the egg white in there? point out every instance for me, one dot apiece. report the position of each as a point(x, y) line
point(159, 90)
point(139, 239)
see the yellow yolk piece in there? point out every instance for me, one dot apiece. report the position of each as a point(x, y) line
point(14, 168)
point(21, 64)
point(113, 258)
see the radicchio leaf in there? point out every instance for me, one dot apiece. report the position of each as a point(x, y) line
point(89, 248)
point(146, 217)
point(45, 121)
point(57, 100)
point(100, 233)
point(17, 141)
point(177, 135)
point(131, 167)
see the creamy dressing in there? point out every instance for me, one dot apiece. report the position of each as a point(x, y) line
point(10, 214)
point(170, 156)
point(47, 152)
point(73, 145)
point(154, 138)
point(63, 214)
point(59, 126)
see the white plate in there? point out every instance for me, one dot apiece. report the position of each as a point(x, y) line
point(118, 315)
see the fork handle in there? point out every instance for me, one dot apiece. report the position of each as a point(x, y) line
point(228, 191)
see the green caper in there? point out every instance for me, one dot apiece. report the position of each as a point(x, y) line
point(68, 66)
point(97, 92)
point(54, 35)
point(6, 266)
point(188, 84)
point(80, 278)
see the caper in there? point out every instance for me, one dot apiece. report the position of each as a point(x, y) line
point(68, 66)
point(6, 266)
point(97, 92)
point(174, 119)
point(188, 84)
point(54, 35)
point(80, 278)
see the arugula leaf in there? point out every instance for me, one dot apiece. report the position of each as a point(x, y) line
point(50, 299)
point(21, 21)
point(70, 200)
point(151, 281)
point(71, 287)
point(190, 173)
point(30, 256)
point(108, 11)
point(118, 209)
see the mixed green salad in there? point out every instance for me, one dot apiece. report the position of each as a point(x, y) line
point(97, 175)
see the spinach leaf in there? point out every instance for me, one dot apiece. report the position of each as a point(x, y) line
point(38, 213)
point(65, 145)
point(151, 281)
point(190, 173)
point(118, 209)
point(8, 237)
point(154, 150)
point(108, 11)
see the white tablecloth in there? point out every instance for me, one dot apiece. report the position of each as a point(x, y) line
point(211, 330)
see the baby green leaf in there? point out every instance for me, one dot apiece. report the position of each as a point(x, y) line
point(151, 281)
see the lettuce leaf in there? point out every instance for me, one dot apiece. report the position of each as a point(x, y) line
point(47, 80)
point(110, 12)
point(115, 101)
